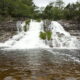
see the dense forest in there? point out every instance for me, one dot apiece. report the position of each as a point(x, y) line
point(27, 9)
point(16, 8)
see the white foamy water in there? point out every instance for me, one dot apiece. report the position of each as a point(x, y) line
point(62, 38)
point(30, 39)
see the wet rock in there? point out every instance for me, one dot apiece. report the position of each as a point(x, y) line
point(70, 78)
point(7, 30)
point(46, 24)
point(8, 26)
point(6, 35)
point(70, 25)
point(9, 78)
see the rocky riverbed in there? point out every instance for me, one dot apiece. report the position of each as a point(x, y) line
point(40, 64)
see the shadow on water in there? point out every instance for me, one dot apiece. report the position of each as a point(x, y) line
point(40, 64)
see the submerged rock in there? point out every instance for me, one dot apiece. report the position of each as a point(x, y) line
point(70, 78)
point(9, 78)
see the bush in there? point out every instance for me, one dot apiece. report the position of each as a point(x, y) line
point(38, 20)
point(46, 35)
point(27, 21)
point(49, 34)
point(2, 18)
point(43, 35)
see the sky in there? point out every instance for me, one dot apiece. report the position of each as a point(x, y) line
point(43, 3)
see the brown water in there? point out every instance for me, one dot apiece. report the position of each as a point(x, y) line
point(39, 64)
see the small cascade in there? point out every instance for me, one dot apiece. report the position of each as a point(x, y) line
point(31, 37)
point(62, 38)
point(20, 26)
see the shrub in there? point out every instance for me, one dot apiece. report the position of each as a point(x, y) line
point(27, 21)
point(43, 35)
point(49, 34)
point(38, 20)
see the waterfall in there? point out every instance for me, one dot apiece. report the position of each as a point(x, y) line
point(62, 38)
point(31, 38)
point(20, 25)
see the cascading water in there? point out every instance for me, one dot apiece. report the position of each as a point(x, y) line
point(31, 38)
point(62, 38)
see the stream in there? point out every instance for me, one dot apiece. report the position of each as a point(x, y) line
point(40, 64)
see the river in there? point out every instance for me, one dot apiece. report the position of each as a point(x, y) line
point(40, 64)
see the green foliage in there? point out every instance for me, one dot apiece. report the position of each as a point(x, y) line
point(53, 12)
point(57, 13)
point(27, 21)
point(59, 3)
point(17, 8)
point(48, 12)
point(43, 35)
point(26, 9)
point(72, 12)
point(46, 35)
point(38, 20)
point(49, 34)
point(1, 18)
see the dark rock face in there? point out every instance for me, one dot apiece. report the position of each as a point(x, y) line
point(5, 35)
point(8, 26)
point(70, 25)
point(7, 29)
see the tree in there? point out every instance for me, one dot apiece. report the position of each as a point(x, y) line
point(15, 8)
point(57, 13)
point(72, 11)
point(59, 3)
point(48, 12)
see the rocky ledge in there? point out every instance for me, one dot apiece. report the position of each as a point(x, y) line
point(8, 28)
point(71, 26)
